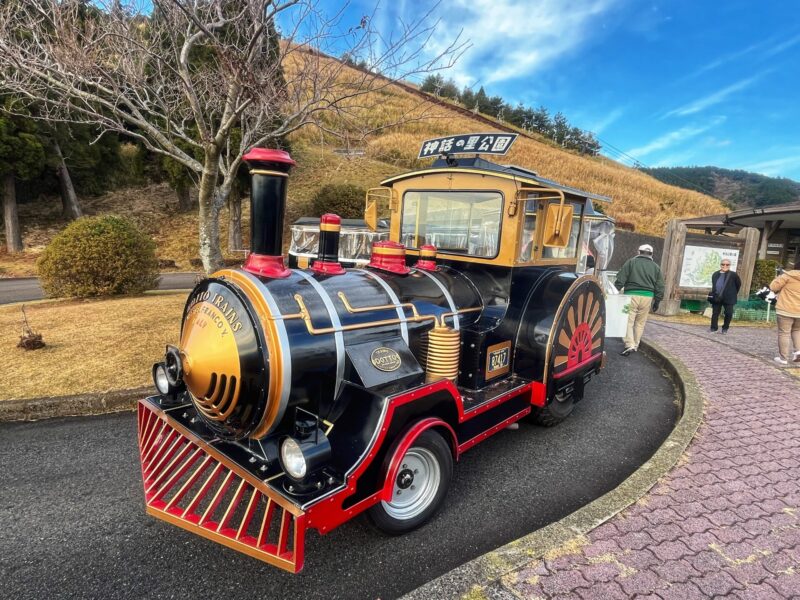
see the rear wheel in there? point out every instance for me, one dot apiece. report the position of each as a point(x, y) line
point(556, 411)
point(419, 488)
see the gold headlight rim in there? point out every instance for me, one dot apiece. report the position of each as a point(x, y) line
point(263, 313)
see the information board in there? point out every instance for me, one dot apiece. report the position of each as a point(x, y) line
point(700, 263)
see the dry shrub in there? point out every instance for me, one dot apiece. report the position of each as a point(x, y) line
point(98, 256)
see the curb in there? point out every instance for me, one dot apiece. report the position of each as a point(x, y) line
point(479, 578)
point(71, 406)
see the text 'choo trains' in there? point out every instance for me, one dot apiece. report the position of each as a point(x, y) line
point(301, 397)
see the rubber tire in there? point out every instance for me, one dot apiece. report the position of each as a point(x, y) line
point(554, 412)
point(377, 516)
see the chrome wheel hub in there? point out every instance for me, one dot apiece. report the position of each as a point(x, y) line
point(416, 484)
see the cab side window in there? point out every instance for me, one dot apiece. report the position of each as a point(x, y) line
point(528, 240)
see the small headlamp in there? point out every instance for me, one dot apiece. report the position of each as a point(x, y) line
point(302, 458)
point(160, 378)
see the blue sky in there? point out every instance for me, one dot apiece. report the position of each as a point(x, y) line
point(667, 83)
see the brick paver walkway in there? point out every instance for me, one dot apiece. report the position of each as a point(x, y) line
point(761, 342)
point(726, 520)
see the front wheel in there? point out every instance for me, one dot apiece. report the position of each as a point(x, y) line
point(419, 488)
point(556, 411)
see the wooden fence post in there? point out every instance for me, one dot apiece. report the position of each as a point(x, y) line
point(671, 267)
point(747, 260)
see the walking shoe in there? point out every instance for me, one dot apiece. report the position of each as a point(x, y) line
point(712, 331)
point(780, 360)
point(723, 331)
point(796, 356)
point(628, 351)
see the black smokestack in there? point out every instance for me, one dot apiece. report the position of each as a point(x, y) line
point(269, 172)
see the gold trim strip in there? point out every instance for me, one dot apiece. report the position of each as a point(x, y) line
point(216, 499)
point(237, 496)
point(263, 532)
point(164, 456)
point(189, 483)
point(389, 251)
point(153, 443)
point(204, 489)
point(212, 535)
point(249, 513)
point(178, 472)
point(283, 536)
point(329, 227)
point(267, 172)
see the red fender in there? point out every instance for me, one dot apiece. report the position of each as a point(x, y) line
point(405, 443)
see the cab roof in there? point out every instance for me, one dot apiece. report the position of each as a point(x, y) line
point(477, 163)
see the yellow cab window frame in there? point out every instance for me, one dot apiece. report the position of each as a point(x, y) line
point(533, 206)
point(576, 226)
point(465, 256)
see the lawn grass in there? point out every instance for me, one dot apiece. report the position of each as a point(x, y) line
point(92, 345)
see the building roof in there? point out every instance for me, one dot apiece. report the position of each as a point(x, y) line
point(789, 214)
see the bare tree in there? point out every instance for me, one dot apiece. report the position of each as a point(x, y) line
point(198, 80)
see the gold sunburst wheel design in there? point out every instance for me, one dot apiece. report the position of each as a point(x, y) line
point(580, 338)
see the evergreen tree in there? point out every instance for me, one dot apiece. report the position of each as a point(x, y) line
point(432, 84)
point(541, 121)
point(449, 90)
point(560, 128)
point(21, 157)
point(467, 97)
point(482, 101)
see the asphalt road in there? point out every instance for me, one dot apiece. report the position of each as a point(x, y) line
point(28, 288)
point(72, 523)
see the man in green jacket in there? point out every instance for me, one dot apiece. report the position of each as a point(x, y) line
point(641, 279)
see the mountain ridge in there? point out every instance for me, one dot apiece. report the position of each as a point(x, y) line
point(735, 187)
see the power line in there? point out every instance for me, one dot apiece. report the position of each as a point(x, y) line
point(638, 164)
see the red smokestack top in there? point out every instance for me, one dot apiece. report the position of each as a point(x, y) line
point(389, 256)
point(427, 258)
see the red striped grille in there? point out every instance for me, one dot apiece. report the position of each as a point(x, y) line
point(190, 484)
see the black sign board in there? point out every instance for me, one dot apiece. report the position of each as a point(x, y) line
point(470, 143)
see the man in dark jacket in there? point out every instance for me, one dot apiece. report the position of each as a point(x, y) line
point(641, 279)
point(725, 286)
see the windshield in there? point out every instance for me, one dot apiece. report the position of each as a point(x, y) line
point(454, 222)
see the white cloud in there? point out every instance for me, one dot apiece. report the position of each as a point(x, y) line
point(712, 99)
point(603, 123)
point(726, 58)
point(775, 167)
point(673, 138)
point(514, 38)
point(783, 46)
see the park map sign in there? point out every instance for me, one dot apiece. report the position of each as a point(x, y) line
point(701, 262)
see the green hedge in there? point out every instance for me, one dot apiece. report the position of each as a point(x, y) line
point(763, 273)
point(98, 256)
point(343, 199)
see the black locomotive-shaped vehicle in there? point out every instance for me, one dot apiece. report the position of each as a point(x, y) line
point(301, 397)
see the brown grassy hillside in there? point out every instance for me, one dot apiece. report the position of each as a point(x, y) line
point(636, 197)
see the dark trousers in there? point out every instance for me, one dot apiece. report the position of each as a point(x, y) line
point(715, 310)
